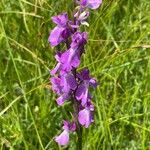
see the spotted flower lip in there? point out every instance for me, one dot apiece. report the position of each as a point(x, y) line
point(81, 18)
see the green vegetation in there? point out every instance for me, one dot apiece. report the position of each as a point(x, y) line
point(118, 54)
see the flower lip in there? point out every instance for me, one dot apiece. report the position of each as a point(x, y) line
point(85, 117)
point(56, 36)
point(63, 138)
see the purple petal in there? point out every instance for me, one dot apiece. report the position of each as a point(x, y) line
point(71, 81)
point(82, 94)
point(58, 56)
point(60, 101)
point(65, 60)
point(70, 59)
point(83, 2)
point(58, 66)
point(66, 33)
point(90, 106)
point(60, 20)
point(55, 37)
point(68, 83)
point(66, 125)
point(56, 87)
point(85, 98)
point(94, 4)
point(79, 39)
point(75, 61)
point(85, 117)
point(80, 91)
point(64, 84)
point(63, 138)
point(64, 56)
point(93, 82)
point(72, 127)
point(54, 71)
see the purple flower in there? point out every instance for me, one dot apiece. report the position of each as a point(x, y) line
point(62, 31)
point(66, 61)
point(63, 86)
point(71, 58)
point(93, 4)
point(82, 92)
point(63, 138)
point(66, 82)
point(85, 115)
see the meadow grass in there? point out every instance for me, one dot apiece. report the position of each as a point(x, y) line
point(117, 54)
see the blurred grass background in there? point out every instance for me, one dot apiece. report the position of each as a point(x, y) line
point(117, 54)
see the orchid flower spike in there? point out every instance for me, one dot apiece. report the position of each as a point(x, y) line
point(66, 82)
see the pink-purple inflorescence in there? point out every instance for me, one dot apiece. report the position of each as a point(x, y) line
point(67, 83)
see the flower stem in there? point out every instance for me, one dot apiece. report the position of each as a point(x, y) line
point(79, 135)
point(76, 108)
point(78, 126)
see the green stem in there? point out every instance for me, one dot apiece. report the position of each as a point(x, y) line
point(79, 135)
point(78, 126)
point(76, 109)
